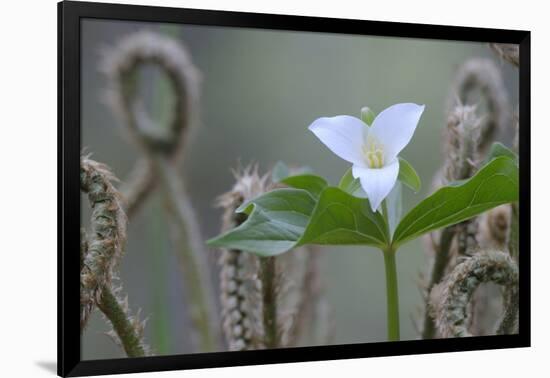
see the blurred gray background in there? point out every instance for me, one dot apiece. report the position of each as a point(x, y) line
point(260, 91)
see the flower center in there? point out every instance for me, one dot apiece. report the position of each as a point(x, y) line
point(373, 153)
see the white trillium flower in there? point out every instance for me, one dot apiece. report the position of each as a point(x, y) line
point(372, 149)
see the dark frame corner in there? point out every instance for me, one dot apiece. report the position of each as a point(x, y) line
point(69, 16)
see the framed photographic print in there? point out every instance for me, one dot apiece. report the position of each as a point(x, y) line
point(252, 188)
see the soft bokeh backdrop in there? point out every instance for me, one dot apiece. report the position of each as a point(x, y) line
point(260, 91)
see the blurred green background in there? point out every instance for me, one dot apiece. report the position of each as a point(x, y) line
point(260, 91)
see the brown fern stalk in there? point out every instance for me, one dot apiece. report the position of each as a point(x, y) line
point(465, 136)
point(439, 267)
point(128, 330)
point(239, 292)
point(481, 80)
point(140, 183)
point(163, 148)
point(266, 302)
point(311, 320)
point(100, 254)
point(468, 138)
point(107, 237)
point(121, 65)
point(462, 142)
point(239, 278)
point(192, 254)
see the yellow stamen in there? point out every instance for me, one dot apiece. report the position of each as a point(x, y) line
point(373, 153)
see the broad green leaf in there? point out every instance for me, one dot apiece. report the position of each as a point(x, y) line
point(310, 183)
point(279, 171)
point(275, 223)
point(408, 176)
point(498, 149)
point(340, 218)
point(349, 184)
point(286, 218)
point(493, 185)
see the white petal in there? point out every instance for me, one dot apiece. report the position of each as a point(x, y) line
point(377, 182)
point(394, 127)
point(343, 135)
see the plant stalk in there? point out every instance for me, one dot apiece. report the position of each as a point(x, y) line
point(192, 255)
point(269, 297)
point(122, 324)
point(438, 271)
point(392, 295)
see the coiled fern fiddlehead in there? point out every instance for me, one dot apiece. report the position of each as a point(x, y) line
point(467, 139)
point(450, 299)
point(162, 148)
point(99, 255)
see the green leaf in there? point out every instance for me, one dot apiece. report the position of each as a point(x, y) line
point(276, 222)
point(286, 218)
point(340, 218)
point(498, 149)
point(495, 184)
point(349, 184)
point(279, 171)
point(311, 183)
point(408, 176)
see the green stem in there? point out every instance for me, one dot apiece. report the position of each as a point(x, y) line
point(392, 295)
point(385, 211)
point(392, 290)
point(125, 329)
point(269, 298)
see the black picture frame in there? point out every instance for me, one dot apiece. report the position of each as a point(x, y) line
point(70, 15)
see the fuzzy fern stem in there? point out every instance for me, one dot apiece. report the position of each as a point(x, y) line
point(163, 146)
point(125, 329)
point(191, 253)
point(438, 272)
